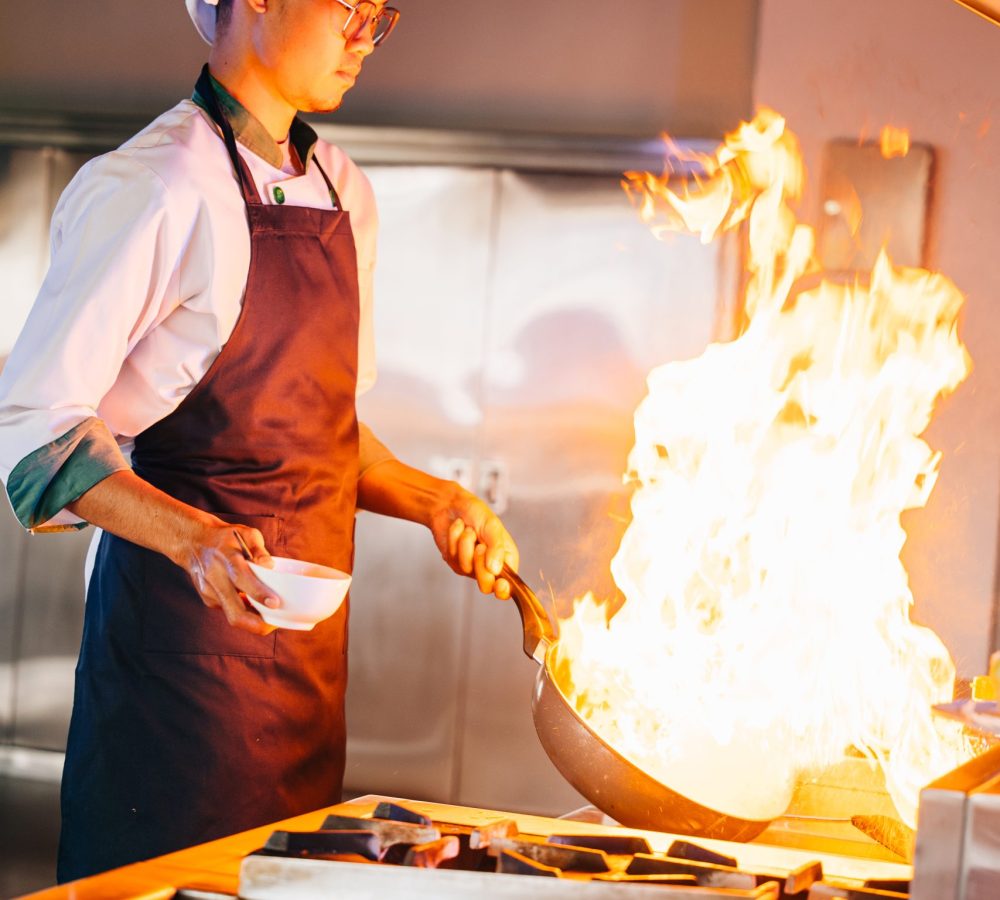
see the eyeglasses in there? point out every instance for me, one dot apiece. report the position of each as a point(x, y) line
point(366, 14)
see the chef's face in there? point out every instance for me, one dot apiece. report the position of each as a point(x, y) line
point(310, 61)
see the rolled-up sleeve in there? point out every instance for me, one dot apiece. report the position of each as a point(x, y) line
point(111, 267)
point(47, 479)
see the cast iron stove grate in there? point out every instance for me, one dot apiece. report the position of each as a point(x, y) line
point(398, 836)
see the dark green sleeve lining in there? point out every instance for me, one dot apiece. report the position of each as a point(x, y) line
point(47, 479)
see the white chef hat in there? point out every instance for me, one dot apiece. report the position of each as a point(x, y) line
point(202, 13)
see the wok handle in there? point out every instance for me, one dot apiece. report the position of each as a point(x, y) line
point(538, 630)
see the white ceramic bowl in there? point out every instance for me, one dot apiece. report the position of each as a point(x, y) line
point(309, 593)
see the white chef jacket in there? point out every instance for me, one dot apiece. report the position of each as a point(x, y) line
point(150, 251)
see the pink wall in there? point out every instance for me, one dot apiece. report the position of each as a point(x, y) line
point(836, 68)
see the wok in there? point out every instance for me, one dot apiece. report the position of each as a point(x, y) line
point(605, 777)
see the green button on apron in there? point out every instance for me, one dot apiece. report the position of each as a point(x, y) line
point(279, 195)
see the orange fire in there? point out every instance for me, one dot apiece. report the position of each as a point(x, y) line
point(766, 624)
point(894, 141)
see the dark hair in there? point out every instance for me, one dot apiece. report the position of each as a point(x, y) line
point(223, 13)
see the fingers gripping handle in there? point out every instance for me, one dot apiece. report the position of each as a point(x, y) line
point(538, 631)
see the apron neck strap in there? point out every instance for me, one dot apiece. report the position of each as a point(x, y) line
point(334, 196)
point(206, 90)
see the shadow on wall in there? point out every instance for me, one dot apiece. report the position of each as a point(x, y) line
point(569, 411)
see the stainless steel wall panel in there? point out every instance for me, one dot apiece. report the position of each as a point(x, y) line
point(407, 606)
point(47, 625)
point(11, 589)
point(584, 303)
point(24, 223)
point(26, 200)
point(63, 164)
point(29, 832)
point(31, 181)
point(51, 624)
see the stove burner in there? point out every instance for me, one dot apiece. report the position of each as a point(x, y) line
point(396, 813)
point(685, 850)
point(513, 863)
point(620, 845)
point(892, 887)
point(569, 859)
point(389, 832)
point(707, 874)
point(324, 843)
point(398, 837)
point(803, 878)
point(432, 854)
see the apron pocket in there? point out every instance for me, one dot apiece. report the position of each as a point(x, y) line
point(175, 620)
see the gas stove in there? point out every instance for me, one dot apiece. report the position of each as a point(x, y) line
point(374, 846)
point(384, 847)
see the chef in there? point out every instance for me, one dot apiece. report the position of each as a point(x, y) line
point(189, 370)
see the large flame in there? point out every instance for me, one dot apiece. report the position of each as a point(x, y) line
point(766, 624)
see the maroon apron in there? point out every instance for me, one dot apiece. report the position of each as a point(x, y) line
point(185, 729)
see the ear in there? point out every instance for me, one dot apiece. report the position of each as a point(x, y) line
point(257, 6)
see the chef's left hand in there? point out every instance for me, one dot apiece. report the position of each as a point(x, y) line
point(474, 542)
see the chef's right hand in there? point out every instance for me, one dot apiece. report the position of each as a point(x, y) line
point(220, 573)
